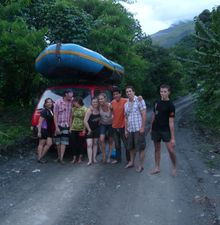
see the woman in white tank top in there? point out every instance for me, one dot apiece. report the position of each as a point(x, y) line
point(105, 126)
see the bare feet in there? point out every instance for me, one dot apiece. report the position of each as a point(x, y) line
point(129, 165)
point(89, 163)
point(139, 169)
point(115, 161)
point(108, 160)
point(95, 161)
point(155, 171)
point(80, 161)
point(73, 161)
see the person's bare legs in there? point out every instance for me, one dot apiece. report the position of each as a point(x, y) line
point(89, 150)
point(141, 161)
point(58, 153)
point(47, 146)
point(102, 143)
point(157, 147)
point(40, 148)
point(132, 158)
point(62, 151)
point(94, 149)
point(172, 155)
point(110, 142)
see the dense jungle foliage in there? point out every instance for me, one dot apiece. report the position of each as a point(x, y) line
point(28, 26)
point(200, 57)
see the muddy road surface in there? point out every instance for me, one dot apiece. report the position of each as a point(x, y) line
point(55, 194)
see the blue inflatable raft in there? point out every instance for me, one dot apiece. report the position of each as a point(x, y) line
point(76, 62)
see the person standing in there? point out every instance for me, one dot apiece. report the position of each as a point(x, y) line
point(45, 129)
point(118, 124)
point(162, 128)
point(77, 131)
point(92, 124)
point(62, 116)
point(135, 122)
point(105, 126)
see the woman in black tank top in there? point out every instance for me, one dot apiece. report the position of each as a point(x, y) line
point(91, 121)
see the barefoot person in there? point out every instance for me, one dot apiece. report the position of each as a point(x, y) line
point(45, 130)
point(105, 126)
point(162, 128)
point(135, 121)
point(62, 115)
point(91, 122)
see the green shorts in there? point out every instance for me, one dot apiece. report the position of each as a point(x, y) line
point(157, 136)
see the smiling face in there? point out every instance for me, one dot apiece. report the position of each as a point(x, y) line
point(164, 93)
point(130, 93)
point(95, 103)
point(48, 103)
point(116, 95)
point(102, 99)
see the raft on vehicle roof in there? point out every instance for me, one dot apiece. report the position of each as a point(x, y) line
point(73, 61)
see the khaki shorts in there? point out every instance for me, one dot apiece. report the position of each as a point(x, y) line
point(136, 141)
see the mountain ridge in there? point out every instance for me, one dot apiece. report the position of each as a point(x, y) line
point(169, 37)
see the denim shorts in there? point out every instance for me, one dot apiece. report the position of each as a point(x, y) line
point(106, 130)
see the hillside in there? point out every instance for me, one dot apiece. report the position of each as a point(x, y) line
point(169, 37)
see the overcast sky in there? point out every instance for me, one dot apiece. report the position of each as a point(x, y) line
point(155, 15)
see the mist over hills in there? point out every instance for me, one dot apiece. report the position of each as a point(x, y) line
point(169, 37)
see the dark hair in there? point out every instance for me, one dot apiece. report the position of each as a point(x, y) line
point(66, 91)
point(116, 89)
point(129, 86)
point(165, 86)
point(79, 100)
point(94, 98)
point(46, 100)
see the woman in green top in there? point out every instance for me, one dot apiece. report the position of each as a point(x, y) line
point(77, 131)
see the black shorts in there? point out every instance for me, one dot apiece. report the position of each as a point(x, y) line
point(45, 133)
point(136, 141)
point(157, 136)
point(94, 134)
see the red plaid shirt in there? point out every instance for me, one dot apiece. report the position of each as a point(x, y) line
point(62, 109)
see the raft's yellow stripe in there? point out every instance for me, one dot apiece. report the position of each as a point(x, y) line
point(77, 54)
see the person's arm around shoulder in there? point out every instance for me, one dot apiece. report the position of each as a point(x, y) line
point(86, 118)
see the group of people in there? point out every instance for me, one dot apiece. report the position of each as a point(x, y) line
point(123, 119)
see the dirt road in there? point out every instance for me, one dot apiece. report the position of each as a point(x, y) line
point(53, 194)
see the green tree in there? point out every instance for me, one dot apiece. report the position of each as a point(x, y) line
point(65, 22)
point(208, 54)
point(19, 48)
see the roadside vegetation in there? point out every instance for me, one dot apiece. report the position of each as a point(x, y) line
point(28, 26)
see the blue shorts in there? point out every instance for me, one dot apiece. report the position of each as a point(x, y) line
point(106, 130)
